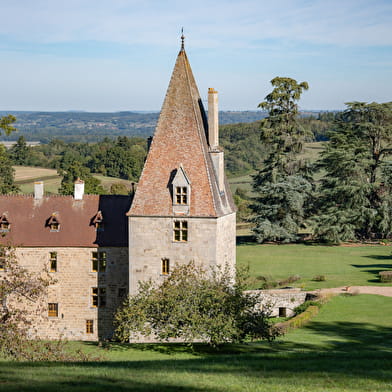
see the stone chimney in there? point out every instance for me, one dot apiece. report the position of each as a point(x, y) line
point(38, 190)
point(79, 189)
point(213, 122)
point(213, 138)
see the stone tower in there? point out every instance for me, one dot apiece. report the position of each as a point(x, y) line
point(182, 209)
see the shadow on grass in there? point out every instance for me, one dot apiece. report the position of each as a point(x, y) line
point(357, 351)
point(374, 269)
point(246, 240)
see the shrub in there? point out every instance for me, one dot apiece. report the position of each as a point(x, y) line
point(301, 308)
point(319, 278)
point(193, 304)
point(299, 320)
point(385, 276)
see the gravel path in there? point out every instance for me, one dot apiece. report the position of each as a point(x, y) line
point(386, 291)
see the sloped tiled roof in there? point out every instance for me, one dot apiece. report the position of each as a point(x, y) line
point(29, 218)
point(180, 138)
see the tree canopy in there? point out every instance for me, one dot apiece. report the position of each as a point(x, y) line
point(354, 198)
point(283, 185)
point(192, 304)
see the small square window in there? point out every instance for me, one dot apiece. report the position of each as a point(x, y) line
point(165, 266)
point(89, 326)
point(53, 310)
point(4, 224)
point(54, 226)
point(181, 196)
point(53, 261)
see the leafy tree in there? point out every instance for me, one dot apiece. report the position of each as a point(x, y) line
point(119, 188)
point(71, 170)
point(193, 305)
point(355, 194)
point(284, 184)
point(6, 124)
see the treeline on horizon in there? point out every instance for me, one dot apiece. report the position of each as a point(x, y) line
point(93, 127)
point(123, 157)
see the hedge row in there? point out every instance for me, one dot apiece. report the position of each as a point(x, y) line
point(300, 319)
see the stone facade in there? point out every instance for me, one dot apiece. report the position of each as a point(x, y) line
point(72, 290)
point(211, 242)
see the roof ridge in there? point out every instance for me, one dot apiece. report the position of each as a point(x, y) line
point(199, 127)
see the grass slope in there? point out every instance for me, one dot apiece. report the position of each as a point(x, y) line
point(341, 265)
point(347, 347)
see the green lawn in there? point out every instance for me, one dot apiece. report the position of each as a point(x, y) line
point(341, 266)
point(347, 347)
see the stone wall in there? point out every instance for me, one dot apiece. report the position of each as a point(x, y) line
point(211, 242)
point(73, 290)
point(281, 301)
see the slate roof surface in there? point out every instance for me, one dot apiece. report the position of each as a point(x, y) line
point(180, 139)
point(29, 220)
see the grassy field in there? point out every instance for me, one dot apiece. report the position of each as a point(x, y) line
point(358, 265)
point(25, 176)
point(347, 347)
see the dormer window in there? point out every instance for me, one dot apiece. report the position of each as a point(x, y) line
point(4, 224)
point(181, 196)
point(181, 192)
point(54, 223)
point(98, 221)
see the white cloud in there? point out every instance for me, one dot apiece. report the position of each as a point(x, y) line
point(210, 24)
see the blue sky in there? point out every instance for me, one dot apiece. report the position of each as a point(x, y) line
point(112, 55)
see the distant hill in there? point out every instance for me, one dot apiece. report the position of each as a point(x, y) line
point(74, 126)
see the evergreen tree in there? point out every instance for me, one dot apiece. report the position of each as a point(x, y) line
point(19, 152)
point(284, 184)
point(355, 194)
point(6, 173)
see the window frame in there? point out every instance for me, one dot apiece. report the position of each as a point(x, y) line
point(53, 261)
point(89, 327)
point(180, 231)
point(99, 261)
point(53, 309)
point(98, 297)
point(181, 196)
point(165, 266)
point(3, 259)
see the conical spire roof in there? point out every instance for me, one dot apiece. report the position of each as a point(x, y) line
point(179, 139)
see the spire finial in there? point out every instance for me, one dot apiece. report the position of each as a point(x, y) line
point(182, 39)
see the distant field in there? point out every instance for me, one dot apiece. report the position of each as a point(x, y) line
point(342, 266)
point(312, 152)
point(25, 176)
